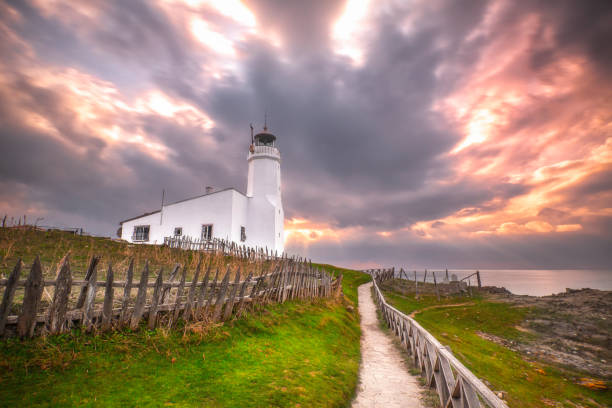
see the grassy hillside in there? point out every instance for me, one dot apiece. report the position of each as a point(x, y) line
point(290, 355)
point(478, 329)
point(51, 246)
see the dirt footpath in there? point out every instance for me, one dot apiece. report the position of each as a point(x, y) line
point(384, 380)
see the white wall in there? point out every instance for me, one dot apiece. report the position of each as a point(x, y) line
point(127, 228)
point(215, 208)
point(239, 216)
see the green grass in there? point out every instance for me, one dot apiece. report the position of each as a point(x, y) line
point(297, 354)
point(528, 383)
point(351, 279)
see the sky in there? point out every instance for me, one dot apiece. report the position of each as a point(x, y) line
point(422, 133)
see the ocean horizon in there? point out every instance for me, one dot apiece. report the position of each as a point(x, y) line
point(534, 282)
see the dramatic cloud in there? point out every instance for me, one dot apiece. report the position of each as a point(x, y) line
point(421, 133)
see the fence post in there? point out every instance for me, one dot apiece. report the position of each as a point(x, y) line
point(107, 310)
point(242, 295)
point(189, 306)
point(170, 280)
point(478, 278)
point(155, 301)
point(141, 297)
point(177, 300)
point(229, 306)
point(93, 264)
point(127, 290)
point(9, 293)
point(221, 295)
point(436, 285)
point(90, 299)
point(199, 308)
point(213, 286)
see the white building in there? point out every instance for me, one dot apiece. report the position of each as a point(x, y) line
point(255, 219)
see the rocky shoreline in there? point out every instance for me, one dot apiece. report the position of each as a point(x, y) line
point(572, 328)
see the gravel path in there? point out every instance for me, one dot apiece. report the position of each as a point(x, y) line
point(384, 380)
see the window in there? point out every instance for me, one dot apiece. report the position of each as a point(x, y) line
point(207, 231)
point(141, 233)
point(178, 231)
point(242, 234)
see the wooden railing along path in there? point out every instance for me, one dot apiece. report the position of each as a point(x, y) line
point(456, 386)
point(95, 304)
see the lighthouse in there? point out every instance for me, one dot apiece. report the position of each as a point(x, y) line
point(265, 208)
point(254, 219)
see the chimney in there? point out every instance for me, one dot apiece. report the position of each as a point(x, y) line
point(209, 189)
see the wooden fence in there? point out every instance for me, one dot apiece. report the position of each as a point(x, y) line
point(401, 274)
point(107, 304)
point(450, 286)
point(457, 386)
point(224, 247)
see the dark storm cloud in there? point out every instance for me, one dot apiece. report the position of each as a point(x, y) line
point(583, 26)
point(305, 26)
point(363, 146)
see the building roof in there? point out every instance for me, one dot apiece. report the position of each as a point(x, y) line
point(139, 216)
point(181, 201)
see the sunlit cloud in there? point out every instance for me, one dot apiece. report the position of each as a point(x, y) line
point(232, 9)
point(503, 113)
point(183, 113)
point(348, 29)
point(210, 38)
point(304, 231)
point(96, 108)
point(569, 227)
point(301, 232)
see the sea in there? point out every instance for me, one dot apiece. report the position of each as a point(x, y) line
point(534, 282)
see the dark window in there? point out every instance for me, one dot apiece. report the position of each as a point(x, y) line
point(207, 231)
point(242, 234)
point(178, 231)
point(141, 233)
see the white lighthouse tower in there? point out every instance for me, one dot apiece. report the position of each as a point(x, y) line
point(265, 208)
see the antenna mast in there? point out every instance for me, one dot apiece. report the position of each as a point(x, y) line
point(161, 211)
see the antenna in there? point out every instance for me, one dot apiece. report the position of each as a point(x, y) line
point(161, 211)
point(266, 121)
point(251, 126)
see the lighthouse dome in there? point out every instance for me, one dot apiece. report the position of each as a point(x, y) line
point(265, 139)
